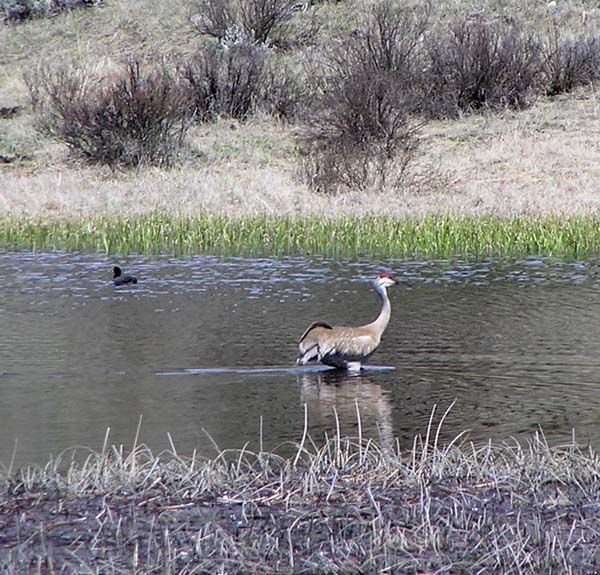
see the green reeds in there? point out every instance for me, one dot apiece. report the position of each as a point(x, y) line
point(431, 236)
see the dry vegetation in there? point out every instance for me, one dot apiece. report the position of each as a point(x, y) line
point(541, 161)
point(344, 505)
point(533, 161)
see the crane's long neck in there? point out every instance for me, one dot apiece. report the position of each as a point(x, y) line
point(379, 325)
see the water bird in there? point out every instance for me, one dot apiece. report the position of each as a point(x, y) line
point(120, 279)
point(347, 347)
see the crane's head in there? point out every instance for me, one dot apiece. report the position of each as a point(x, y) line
point(385, 280)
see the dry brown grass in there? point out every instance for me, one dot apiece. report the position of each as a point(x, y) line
point(541, 161)
point(116, 30)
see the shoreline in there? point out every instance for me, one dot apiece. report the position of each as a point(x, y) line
point(537, 168)
point(345, 505)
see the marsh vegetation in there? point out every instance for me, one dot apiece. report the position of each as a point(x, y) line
point(339, 505)
point(384, 236)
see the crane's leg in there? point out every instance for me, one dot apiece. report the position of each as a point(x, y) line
point(353, 366)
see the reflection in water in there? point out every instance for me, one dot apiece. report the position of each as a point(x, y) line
point(209, 344)
point(350, 396)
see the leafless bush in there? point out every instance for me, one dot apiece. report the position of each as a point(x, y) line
point(340, 165)
point(284, 92)
point(21, 10)
point(479, 63)
point(362, 131)
point(127, 118)
point(570, 61)
point(361, 128)
point(247, 20)
point(225, 82)
point(392, 38)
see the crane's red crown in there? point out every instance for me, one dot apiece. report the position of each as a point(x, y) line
point(386, 275)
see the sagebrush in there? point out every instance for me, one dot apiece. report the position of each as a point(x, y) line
point(130, 117)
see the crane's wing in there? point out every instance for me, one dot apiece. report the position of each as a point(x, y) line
point(349, 343)
point(311, 340)
point(353, 346)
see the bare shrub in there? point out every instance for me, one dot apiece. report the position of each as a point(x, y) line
point(338, 166)
point(479, 63)
point(392, 38)
point(225, 81)
point(249, 20)
point(284, 93)
point(125, 119)
point(21, 10)
point(215, 18)
point(362, 131)
point(568, 62)
point(259, 17)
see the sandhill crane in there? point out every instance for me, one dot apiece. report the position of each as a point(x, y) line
point(119, 279)
point(347, 347)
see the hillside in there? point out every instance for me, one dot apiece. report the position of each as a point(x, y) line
point(540, 160)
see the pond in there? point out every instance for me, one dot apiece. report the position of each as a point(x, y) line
point(201, 352)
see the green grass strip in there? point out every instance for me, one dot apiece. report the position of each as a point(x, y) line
point(432, 236)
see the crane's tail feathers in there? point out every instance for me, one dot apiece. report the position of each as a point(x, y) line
point(307, 355)
point(313, 326)
point(309, 346)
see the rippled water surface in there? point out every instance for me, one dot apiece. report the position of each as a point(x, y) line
point(203, 349)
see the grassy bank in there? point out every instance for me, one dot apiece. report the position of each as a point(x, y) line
point(431, 236)
point(343, 506)
point(534, 165)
